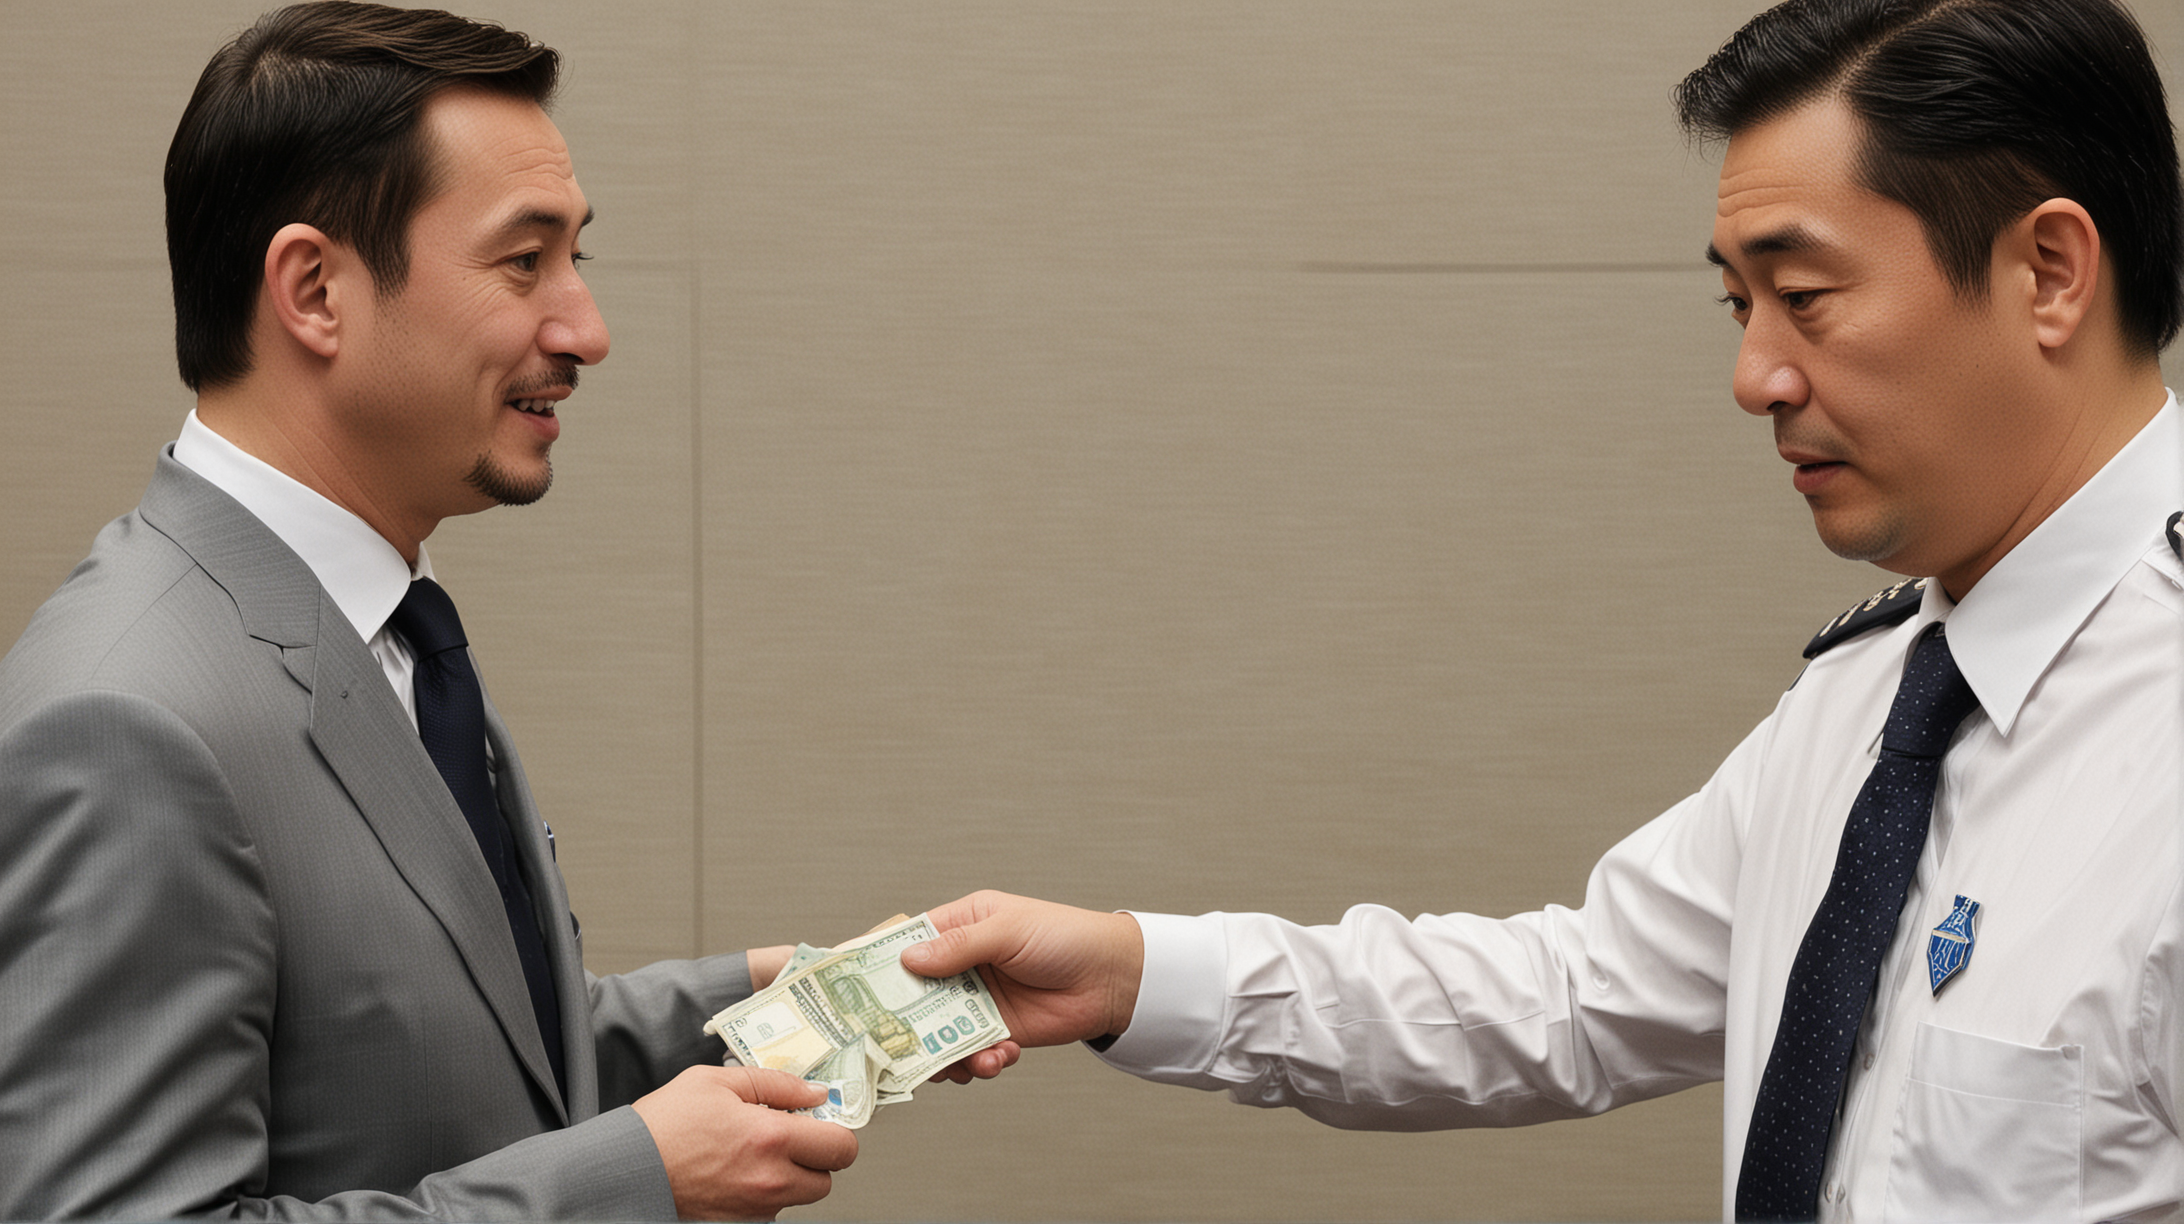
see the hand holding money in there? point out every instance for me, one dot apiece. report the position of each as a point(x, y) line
point(853, 1019)
point(1060, 974)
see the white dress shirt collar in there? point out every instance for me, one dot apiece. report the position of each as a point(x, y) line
point(360, 570)
point(2017, 619)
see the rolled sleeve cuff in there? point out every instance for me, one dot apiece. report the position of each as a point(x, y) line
point(1182, 999)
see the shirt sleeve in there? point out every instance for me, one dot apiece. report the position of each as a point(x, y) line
point(1444, 1020)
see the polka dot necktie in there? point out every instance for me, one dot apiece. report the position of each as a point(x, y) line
point(451, 722)
point(1832, 977)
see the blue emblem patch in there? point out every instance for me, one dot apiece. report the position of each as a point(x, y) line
point(1951, 943)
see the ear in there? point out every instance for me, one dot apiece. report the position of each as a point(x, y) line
point(2061, 248)
point(307, 279)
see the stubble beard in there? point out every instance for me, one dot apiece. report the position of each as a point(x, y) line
point(505, 487)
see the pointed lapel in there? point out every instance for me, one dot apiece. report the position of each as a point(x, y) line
point(550, 894)
point(360, 729)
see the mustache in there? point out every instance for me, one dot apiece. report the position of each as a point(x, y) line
point(1808, 442)
point(559, 376)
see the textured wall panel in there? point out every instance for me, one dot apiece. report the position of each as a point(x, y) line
point(1224, 455)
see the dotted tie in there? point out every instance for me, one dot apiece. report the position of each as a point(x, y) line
point(451, 722)
point(1832, 978)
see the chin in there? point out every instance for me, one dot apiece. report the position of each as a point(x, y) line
point(498, 484)
point(1874, 540)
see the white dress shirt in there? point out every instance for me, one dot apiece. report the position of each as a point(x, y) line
point(2041, 1082)
point(363, 574)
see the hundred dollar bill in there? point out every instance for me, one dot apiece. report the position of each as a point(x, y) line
point(830, 1001)
point(804, 956)
point(941, 1019)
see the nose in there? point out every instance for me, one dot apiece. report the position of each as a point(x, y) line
point(1767, 377)
point(575, 330)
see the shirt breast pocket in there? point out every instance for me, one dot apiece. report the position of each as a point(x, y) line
point(1988, 1130)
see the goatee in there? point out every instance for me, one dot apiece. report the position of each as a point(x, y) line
point(505, 487)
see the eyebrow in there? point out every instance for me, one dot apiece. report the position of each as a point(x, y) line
point(1773, 242)
point(536, 219)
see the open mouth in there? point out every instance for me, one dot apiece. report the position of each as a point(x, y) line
point(536, 407)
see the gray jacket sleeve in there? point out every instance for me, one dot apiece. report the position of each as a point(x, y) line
point(650, 1024)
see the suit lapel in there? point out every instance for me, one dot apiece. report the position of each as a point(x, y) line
point(367, 741)
point(361, 731)
point(555, 920)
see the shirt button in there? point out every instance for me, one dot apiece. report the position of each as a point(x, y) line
point(1868, 1063)
point(1835, 1193)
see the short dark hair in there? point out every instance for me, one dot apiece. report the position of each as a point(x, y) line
point(313, 115)
point(1976, 111)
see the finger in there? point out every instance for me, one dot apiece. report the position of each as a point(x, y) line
point(953, 1073)
point(991, 1062)
point(984, 1064)
point(773, 1089)
point(822, 1145)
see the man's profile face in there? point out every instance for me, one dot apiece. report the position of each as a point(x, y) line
point(1898, 402)
point(460, 371)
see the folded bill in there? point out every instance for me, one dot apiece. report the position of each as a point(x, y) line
point(848, 1075)
point(853, 1018)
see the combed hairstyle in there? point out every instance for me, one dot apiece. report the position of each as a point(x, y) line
point(1975, 112)
point(313, 115)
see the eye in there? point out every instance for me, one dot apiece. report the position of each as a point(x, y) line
point(526, 262)
point(1735, 304)
point(578, 257)
point(1799, 299)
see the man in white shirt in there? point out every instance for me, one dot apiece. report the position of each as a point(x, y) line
point(281, 935)
point(1950, 232)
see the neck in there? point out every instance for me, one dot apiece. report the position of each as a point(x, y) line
point(290, 430)
point(2097, 418)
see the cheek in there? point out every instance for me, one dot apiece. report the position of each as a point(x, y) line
point(500, 336)
point(474, 316)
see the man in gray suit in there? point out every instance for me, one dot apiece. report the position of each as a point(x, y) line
point(264, 950)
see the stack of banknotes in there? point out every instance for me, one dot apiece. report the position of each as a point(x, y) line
point(852, 1018)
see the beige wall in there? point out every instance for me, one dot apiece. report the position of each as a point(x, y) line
point(1218, 455)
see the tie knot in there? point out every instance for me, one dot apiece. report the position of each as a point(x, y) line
point(426, 617)
point(1931, 701)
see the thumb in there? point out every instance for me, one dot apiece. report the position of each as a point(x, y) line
point(775, 1089)
point(953, 951)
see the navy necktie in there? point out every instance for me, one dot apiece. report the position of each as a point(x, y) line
point(1833, 975)
point(451, 722)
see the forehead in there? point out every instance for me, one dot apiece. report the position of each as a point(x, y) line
point(1791, 183)
point(496, 157)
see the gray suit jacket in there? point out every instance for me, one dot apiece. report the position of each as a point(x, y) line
point(251, 961)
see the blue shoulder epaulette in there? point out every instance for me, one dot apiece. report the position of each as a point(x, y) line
point(1887, 607)
point(2176, 534)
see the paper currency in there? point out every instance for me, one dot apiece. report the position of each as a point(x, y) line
point(849, 1076)
point(853, 1018)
